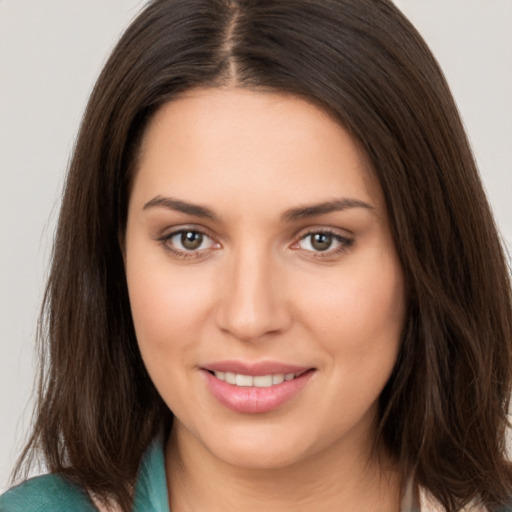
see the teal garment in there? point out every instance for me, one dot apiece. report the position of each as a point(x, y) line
point(52, 493)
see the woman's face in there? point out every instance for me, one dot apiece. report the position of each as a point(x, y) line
point(267, 296)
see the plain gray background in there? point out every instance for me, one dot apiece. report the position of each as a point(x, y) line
point(51, 52)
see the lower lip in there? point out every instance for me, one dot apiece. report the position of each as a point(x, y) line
point(253, 400)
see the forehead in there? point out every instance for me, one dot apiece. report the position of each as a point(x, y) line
point(215, 141)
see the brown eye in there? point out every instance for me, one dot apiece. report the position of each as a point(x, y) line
point(324, 242)
point(188, 241)
point(191, 240)
point(321, 241)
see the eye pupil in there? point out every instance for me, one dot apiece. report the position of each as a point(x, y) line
point(191, 240)
point(321, 241)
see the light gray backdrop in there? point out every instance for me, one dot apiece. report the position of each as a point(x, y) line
point(50, 54)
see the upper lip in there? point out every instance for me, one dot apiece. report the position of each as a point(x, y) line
point(255, 368)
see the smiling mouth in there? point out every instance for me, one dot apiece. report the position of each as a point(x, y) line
point(258, 389)
point(257, 381)
point(260, 393)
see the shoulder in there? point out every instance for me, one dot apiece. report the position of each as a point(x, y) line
point(44, 494)
point(53, 493)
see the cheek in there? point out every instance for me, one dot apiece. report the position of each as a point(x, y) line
point(358, 314)
point(168, 309)
point(168, 304)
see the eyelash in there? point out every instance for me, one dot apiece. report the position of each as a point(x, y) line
point(344, 243)
point(184, 253)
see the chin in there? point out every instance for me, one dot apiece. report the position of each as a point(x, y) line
point(262, 448)
point(260, 458)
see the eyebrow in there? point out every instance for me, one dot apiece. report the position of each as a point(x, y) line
point(180, 206)
point(337, 205)
point(294, 214)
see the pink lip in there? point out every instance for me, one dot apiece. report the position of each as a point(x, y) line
point(255, 369)
point(252, 399)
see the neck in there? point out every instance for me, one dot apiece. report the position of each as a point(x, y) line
point(336, 479)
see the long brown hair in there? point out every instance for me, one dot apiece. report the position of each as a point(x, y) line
point(443, 414)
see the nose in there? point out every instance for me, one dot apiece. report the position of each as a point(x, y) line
point(253, 303)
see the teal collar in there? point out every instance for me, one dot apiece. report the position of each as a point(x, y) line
point(151, 488)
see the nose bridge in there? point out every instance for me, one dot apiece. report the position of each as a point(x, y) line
point(252, 305)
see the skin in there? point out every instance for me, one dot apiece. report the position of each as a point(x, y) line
point(256, 289)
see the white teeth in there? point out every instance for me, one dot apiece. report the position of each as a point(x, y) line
point(278, 378)
point(263, 381)
point(258, 381)
point(243, 380)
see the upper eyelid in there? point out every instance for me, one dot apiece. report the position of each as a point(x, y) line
point(301, 233)
point(174, 230)
point(303, 229)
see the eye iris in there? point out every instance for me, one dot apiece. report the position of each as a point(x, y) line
point(321, 241)
point(191, 240)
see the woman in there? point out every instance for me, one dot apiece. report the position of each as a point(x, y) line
point(275, 271)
